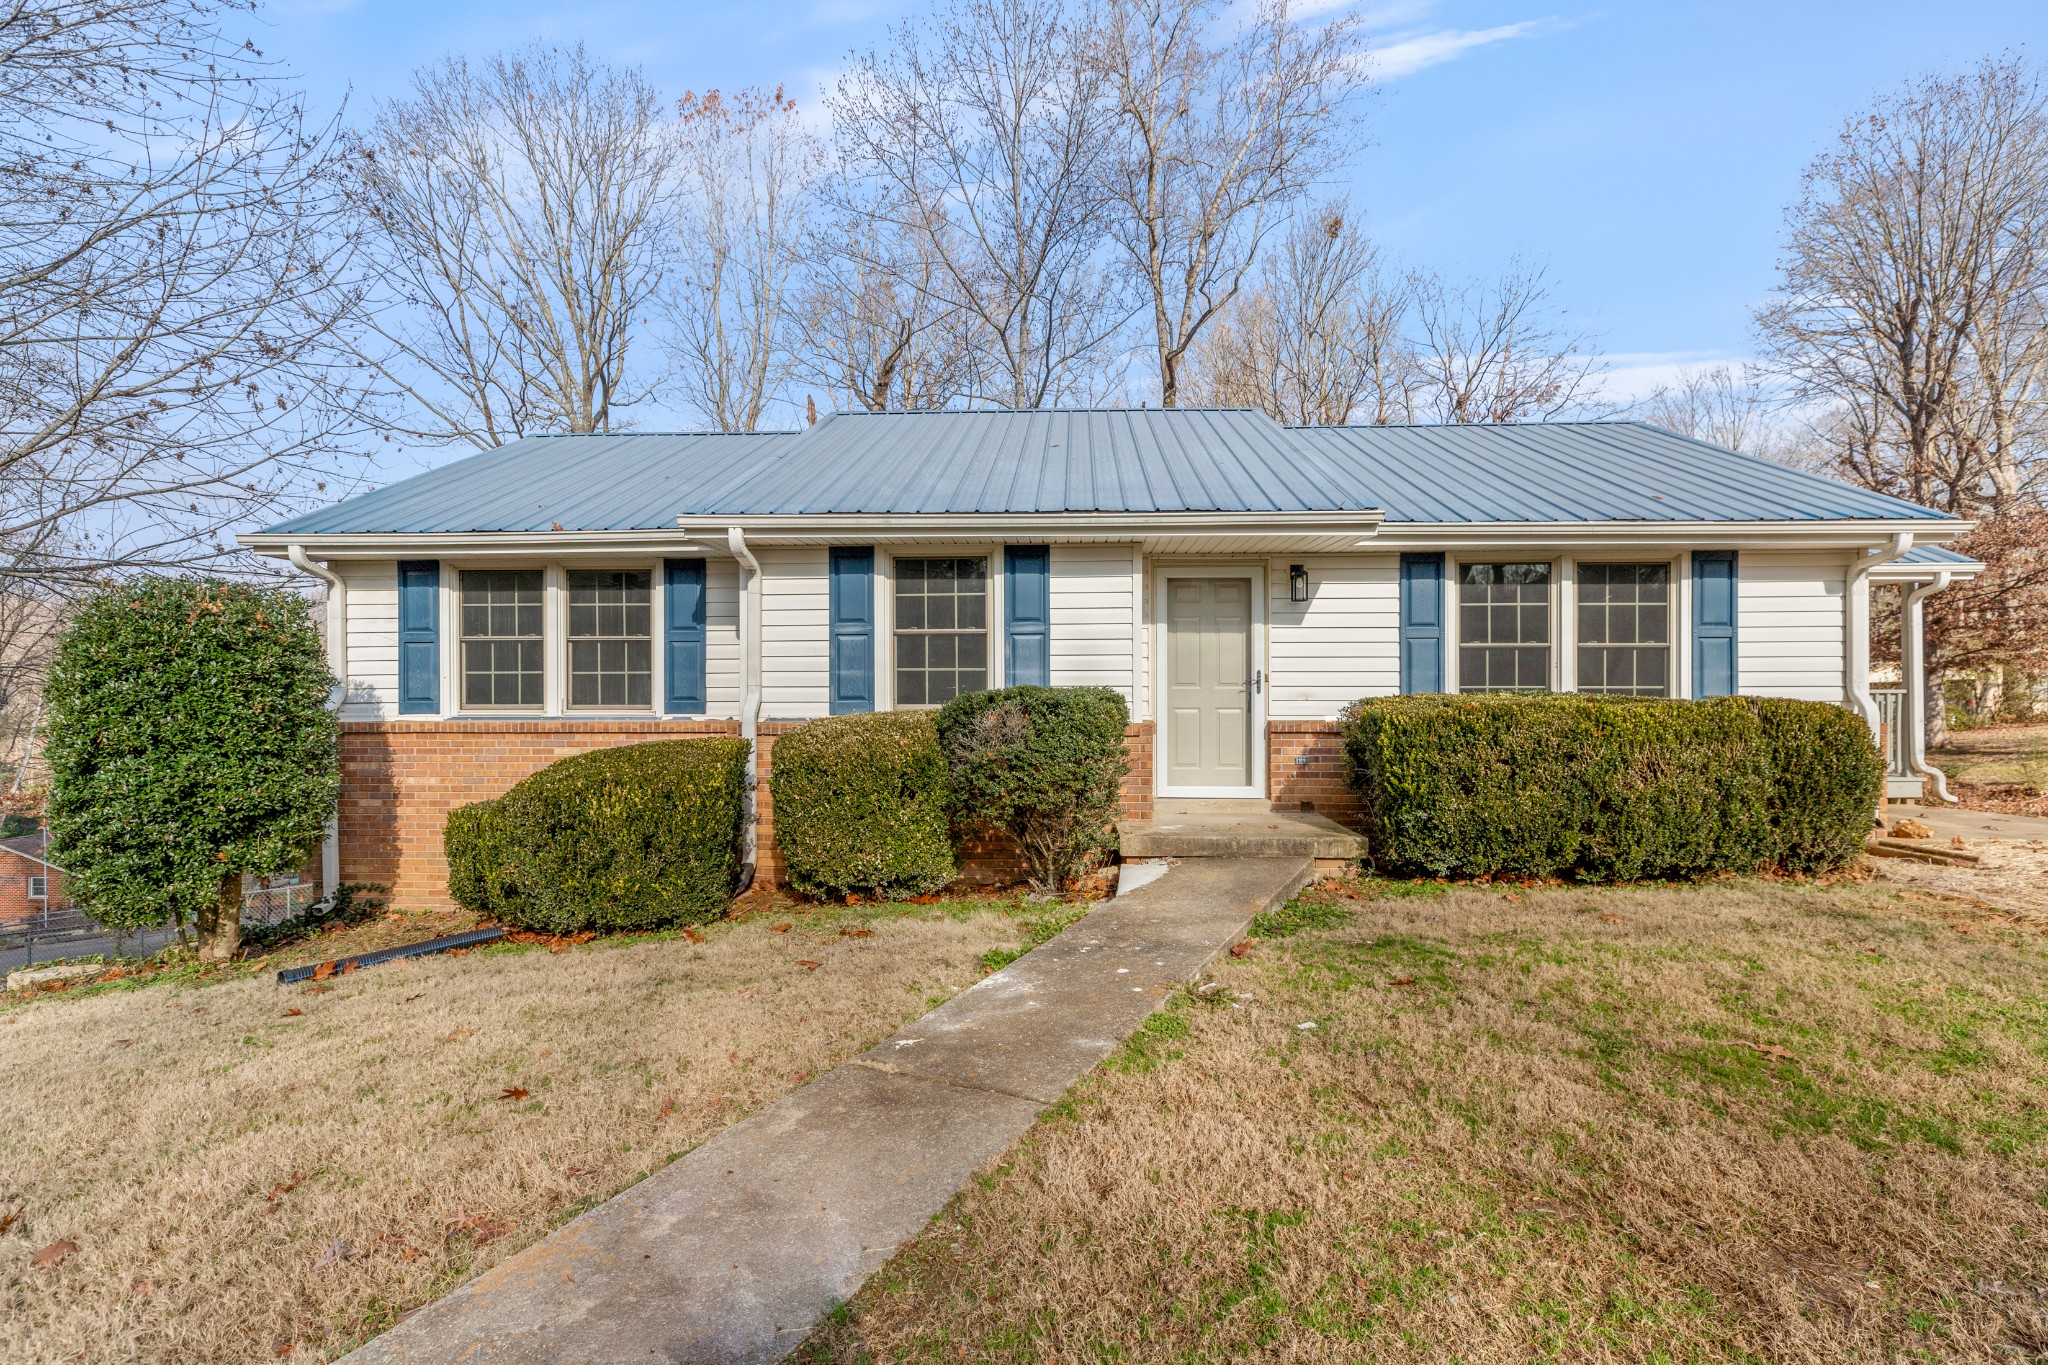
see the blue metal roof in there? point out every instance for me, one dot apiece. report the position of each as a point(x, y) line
point(1940, 556)
point(1129, 461)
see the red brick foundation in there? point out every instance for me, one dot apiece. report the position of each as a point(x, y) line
point(1305, 770)
point(399, 780)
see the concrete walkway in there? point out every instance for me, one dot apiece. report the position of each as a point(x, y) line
point(734, 1252)
point(1951, 821)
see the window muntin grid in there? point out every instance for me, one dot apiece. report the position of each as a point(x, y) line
point(502, 647)
point(611, 645)
point(1625, 629)
point(1503, 627)
point(941, 628)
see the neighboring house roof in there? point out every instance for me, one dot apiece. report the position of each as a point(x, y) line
point(30, 846)
point(1145, 461)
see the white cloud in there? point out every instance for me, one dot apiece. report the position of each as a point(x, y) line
point(1631, 376)
point(1408, 53)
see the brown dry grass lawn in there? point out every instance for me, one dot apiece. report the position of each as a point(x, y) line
point(251, 1171)
point(2000, 767)
point(1732, 1122)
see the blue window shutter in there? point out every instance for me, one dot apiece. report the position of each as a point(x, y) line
point(1422, 623)
point(682, 587)
point(1027, 615)
point(1713, 623)
point(419, 637)
point(852, 572)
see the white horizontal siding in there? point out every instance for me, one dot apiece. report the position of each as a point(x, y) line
point(1789, 624)
point(722, 639)
point(372, 633)
point(1342, 644)
point(795, 634)
point(1094, 603)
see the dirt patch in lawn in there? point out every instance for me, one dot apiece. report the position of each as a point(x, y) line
point(1737, 1121)
point(249, 1172)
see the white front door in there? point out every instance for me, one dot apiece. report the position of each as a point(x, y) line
point(1211, 699)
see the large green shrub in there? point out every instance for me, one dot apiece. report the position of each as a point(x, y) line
point(1607, 789)
point(861, 805)
point(636, 837)
point(189, 742)
point(1826, 778)
point(1045, 764)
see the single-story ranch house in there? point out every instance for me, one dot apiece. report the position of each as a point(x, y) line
point(1238, 581)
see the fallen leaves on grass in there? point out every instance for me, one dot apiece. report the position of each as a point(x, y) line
point(323, 971)
point(808, 965)
point(781, 928)
point(515, 1092)
point(458, 1035)
point(481, 1227)
point(850, 932)
point(53, 1253)
point(1772, 1051)
point(1241, 949)
point(8, 1220)
point(293, 1013)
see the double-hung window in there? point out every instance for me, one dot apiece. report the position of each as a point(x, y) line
point(611, 643)
point(1625, 629)
point(1503, 627)
point(38, 888)
point(502, 645)
point(941, 629)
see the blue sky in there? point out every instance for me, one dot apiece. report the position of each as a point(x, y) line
point(1644, 151)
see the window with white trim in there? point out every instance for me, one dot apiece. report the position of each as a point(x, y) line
point(1625, 629)
point(502, 638)
point(38, 888)
point(941, 632)
point(1503, 627)
point(611, 639)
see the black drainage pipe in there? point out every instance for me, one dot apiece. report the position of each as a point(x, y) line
point(467, 939)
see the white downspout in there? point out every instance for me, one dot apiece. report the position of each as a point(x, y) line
point(1913, 668)
point(750, 680)
point(1856, 628)
point(337, 664)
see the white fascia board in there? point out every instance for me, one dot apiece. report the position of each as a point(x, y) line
point(1550, 535)
point(471, 544)
point(1048, 527)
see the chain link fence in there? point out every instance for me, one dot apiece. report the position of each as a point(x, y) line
point(48, 934)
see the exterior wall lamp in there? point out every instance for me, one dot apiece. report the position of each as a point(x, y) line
point(1297, 583)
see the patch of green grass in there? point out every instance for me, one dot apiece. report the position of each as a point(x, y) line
point(1303, 912)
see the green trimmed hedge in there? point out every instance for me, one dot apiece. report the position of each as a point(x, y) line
point(861, 805)
point(1044, 764)
point(637, 837)
point(1609, 789)
point(1826, 778)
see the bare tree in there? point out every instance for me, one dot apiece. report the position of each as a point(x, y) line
point(1911, 313)
point(1318, 341)
point(522, 220)
point(1912, 287)
point(1720, 404)
point(983, 135)
point(172, 279)
point(1217, 139)
point(1499, 351)
point(877, 334)
point(745, 177)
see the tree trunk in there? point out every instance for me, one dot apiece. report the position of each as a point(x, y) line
point(220, 924)
point(1936, 715)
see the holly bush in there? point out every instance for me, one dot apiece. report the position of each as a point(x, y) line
point(189, 742)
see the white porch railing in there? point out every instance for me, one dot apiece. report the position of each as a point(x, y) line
point(1899, 778)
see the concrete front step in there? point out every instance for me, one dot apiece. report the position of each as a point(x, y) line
point(1189, 832)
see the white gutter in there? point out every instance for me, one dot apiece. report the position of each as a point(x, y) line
point(1856, 627)
point(750, 677)
point(1913, 657)
point(337, 664)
